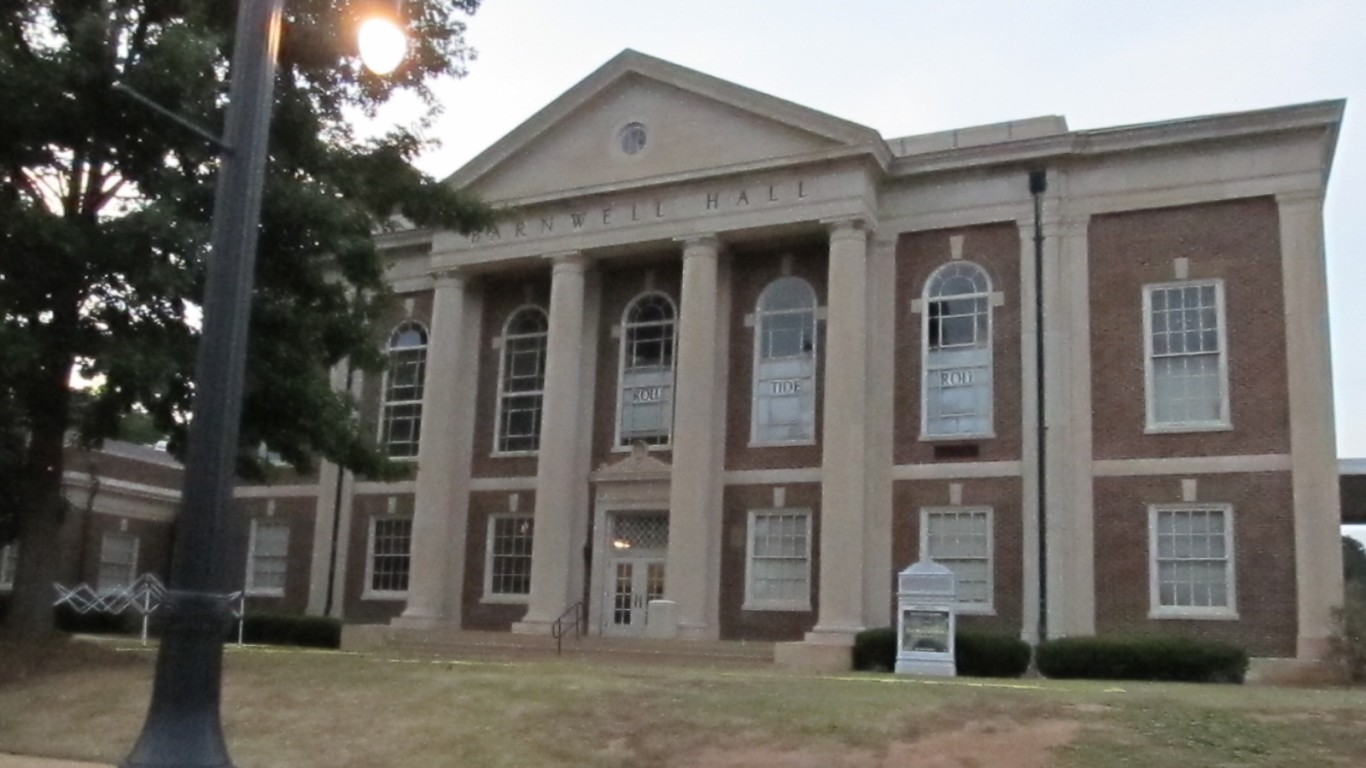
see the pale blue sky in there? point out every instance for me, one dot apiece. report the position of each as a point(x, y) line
point(911, 66)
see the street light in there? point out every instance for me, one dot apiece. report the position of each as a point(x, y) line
point(184, 725)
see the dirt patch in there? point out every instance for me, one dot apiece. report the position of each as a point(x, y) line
point(989, 742)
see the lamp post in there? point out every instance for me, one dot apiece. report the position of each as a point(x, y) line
point(184, 725)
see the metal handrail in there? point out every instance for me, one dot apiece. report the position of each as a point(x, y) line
point(557, 630)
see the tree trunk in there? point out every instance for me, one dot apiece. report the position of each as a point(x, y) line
point(46, 539)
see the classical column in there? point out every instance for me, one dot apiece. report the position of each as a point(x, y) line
point(845, 452)
point(441, 503)
point(693, 567)
point(1313, 453)
point(559, 481)
point(1068, 518)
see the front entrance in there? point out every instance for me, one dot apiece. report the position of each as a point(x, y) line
point(634, 574)
point(635, 582)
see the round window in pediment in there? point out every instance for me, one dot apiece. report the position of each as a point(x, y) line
point(632, 138)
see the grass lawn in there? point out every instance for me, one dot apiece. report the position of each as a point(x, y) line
point(298, 709)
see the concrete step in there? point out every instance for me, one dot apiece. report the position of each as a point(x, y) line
point(465, 644)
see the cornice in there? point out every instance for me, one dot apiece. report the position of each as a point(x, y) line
point(1322, 115)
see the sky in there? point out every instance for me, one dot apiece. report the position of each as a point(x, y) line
point(911, 66)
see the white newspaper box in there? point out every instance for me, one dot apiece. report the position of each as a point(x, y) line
point(926, 620)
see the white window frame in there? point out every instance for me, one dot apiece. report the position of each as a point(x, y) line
point(964, 607)
point(132, 566)
point(387, 406)
point(369, 593)
point(9, 565)
point(490, 596)
point(624, 346)
point(927, 370)
point(753, 603)
point(1224, 612)
point(755, 440)
point(1152, 425)
point(504, 395)
point(251, 589)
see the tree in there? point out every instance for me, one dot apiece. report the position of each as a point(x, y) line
point(104, 218)
point(1354, 562)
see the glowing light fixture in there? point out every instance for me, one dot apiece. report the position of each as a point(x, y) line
point(382, 44)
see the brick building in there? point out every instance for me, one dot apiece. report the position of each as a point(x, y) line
point(751, 360)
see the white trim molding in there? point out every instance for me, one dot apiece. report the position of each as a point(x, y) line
point(801, 539)
point(1199, 549)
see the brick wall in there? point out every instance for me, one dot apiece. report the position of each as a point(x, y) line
point(1264, 558)
point(619, 288)
point(995, 248)
point(1000, 494)
point(358, 609)
point(752, 271)
point(736, 623)
point(502, 295)
point(477, 614)
point(1237, 241)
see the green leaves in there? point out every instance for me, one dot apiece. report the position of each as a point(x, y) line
point(105, 208)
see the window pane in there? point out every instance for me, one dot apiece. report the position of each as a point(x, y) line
point(390, 548)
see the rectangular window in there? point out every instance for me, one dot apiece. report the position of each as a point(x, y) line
point(507, 564)
point(391, 541)
point(1187, 370)
point(779, 560)
point(267, 558)
point(1191, 561)
point(118, 561)
point(9, 565)
point(961, 540)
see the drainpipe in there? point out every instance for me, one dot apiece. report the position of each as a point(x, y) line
point(336, 519)
point(1038, 184)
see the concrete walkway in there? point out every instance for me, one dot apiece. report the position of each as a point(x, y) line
point(20, 761)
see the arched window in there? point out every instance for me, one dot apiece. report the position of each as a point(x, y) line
point(646, 403)
point(401, 411)
point(956, 364)
point(785, 363)
point(521, 381)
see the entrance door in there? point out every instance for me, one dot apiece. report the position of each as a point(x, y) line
point(635, 582)
point(634, 572)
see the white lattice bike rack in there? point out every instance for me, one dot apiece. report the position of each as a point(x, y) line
point(144, 595)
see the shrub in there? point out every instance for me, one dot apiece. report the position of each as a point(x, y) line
point(275, 629)
point(1349, 638)
point(990, 655)
point(875, 649)
point(975, 654)
point(67, 619)
point(1176, 659)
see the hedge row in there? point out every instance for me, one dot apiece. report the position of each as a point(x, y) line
point(1176, 659)
point(1099, 658)
point(260, 628)
point(976, 654)
point(306, 631)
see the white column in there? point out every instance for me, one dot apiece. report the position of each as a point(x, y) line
point(1029, 428)
point(1068, 518)
point(693, 567)
point(844, 456)
point(880, 388)
point(441, 504)
point(559, 483)
point(1313, 449)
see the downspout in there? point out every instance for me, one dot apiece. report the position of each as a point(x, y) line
point(1038, 184)
point(336, 519)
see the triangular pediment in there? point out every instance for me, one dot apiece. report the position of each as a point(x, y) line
point(637, 466)
point(690, 122)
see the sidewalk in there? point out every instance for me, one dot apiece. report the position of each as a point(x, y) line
point(19, 761)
